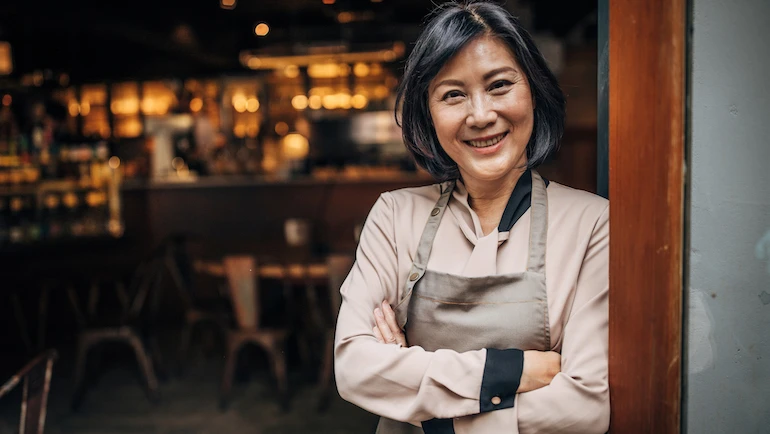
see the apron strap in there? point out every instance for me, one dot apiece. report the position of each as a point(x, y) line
point(538, 229)
point(420, 262)
point(431, 227)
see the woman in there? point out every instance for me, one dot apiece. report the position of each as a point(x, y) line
point(479, 304)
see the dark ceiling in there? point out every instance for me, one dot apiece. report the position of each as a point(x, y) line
point(106, 39)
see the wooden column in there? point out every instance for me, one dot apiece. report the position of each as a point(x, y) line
point(646, 153)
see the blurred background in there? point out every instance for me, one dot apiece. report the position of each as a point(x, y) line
point(181, 184)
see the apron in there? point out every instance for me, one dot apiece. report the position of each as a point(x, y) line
point(446, 311)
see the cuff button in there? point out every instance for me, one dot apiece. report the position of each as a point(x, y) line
point(496, 400)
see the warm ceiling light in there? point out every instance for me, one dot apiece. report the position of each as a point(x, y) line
point(343, 69)
point(299, 102)
point(329, 2)
point(239, 102)
point(344, 17)
point(376, 1)
point(262, 29)
point(344, 100)
point(314, 102)
point(295, 146)
point(6, 60)
point(361, 70)
point(227, 4)
point(196, 104)
point(114, 162)
point(291, 71)
point(358, 101)
point(252, 105)
point(323, 70)
point(281, 128)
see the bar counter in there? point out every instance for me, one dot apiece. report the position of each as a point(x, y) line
point(229, 214)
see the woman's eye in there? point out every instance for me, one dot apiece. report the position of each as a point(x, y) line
point(452, 94)
point(500, 84)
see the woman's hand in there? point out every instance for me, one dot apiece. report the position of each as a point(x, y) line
point(387, 330)
point(539, 369)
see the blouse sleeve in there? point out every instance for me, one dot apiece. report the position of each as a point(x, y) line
point(577, 400)
point(405, 384)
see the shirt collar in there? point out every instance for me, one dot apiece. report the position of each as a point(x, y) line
point(518, 203)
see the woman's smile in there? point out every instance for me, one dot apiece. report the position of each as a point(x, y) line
point(486, 141)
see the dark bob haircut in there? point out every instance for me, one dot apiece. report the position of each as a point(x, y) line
point(450, 28)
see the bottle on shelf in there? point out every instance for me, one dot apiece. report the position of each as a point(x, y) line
point(4, 216)
point(52, 222)
point(15, 221)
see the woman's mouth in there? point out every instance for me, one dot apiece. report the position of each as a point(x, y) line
point(486, 142)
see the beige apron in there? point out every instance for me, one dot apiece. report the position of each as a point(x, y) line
point(470, 313)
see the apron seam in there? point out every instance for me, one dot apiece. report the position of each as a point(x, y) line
point(470, 303)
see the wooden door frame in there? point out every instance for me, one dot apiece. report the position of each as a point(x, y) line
point(645, 121)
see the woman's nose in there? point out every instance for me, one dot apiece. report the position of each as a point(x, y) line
point(481, 113)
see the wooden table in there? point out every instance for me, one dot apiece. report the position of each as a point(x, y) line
point(297, 272)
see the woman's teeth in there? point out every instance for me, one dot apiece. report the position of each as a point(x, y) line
point(486, 143)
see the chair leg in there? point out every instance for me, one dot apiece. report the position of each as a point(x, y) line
point(277, 355)
point(18, 312)
point(185, 341)
point(42, 318)
point(157, 358)
point(37, 383)
point(233, 345)
point(327, 371)
point(146, 366)
point(304, 347)
point(84, 344)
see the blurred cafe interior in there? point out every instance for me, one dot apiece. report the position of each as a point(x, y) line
point(181, 187)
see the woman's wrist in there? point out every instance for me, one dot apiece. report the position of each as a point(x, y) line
point(540, 367)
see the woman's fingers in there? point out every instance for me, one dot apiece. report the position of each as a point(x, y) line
point(378, 335)
point(390, 318)
point(382, 325)
point(387, 326)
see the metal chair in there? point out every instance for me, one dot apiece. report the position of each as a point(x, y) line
point(212, 309)
point(133, 326)
point(36, 379)
point(242, 273)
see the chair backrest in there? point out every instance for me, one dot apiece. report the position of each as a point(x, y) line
point(339, 267)
point(144, 286)
point(241, 273)
point(36, 379)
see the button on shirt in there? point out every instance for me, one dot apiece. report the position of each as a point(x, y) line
point(414, 385)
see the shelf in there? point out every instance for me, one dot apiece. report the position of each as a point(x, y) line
point(45, 186)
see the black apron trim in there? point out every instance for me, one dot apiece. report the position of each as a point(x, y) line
point(438, 426)
point(502, 375)
point(519, 202)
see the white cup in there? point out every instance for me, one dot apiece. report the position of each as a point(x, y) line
point(297, 232)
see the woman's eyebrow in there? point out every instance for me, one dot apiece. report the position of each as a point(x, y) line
point(496, 71)
point(447, 82)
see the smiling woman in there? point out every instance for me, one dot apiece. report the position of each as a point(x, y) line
point(450, 321)
point(482, 112)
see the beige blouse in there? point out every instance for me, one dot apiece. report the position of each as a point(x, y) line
point(414, 385)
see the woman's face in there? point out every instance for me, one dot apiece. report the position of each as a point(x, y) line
point(482, 110)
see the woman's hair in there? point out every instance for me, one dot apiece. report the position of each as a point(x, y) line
point(450, 28)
